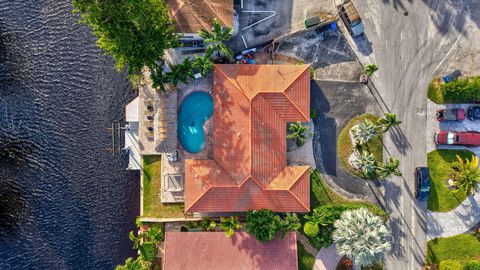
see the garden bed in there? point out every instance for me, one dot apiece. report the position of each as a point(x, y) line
point(321, 194)
point(464, 90)
point(152, 206)
point(439, 162)
point(345, 146)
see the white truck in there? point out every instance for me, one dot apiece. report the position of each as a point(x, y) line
point(350, 17)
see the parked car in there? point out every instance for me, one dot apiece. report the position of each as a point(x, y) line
point(473, 112)
point(450, 115)
point(452, 76)
point(351, 18)
point(422, 183)
point(467, 138)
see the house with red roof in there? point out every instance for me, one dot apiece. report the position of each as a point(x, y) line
point(252, 106)
point(212, 250)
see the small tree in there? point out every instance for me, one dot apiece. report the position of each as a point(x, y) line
point(388, 120)
point(215, 39)
point(366, 163)
point(370, 69)
point(203, 64)
point(385, 170)
point(466, 175)
point(229, 225)
point(363, 132)
point(298, 132)
point(362, 237)
point(263, 224)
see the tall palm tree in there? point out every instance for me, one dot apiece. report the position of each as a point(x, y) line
point(298, 132)
point(362, 237)
point(159, 79)
point(215, 39)
point(229, 225)
point(388, 120)
point(203, 63)
point(387, 169)
point(363, 132)
point(466, 175)
point(370, 69)
point(366, 163)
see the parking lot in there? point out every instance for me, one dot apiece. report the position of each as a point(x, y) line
point(259, 21)
point(433, 126)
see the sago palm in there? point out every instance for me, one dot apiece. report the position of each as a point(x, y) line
point(363, 132)
point(385, 170)
point(229, 225)
point(366, 163)
point(388, 120)
point(370, 69)
point(362, 237)
point(466, 175)
point(215, 39)
point(298, 132)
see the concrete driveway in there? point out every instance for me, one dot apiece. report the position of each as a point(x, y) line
point(411, 41)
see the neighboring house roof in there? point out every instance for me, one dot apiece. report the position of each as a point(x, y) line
point(192, 15)
point(212, 250)
point(252, 105)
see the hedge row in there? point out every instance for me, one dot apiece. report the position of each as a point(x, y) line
point(465, 90)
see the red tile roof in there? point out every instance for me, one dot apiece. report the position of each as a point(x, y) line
point(212, 250)
point(253, 104)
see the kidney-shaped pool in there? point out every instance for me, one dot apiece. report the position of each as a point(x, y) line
point(195, 109)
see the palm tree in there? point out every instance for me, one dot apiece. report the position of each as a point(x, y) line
point(298, 132)
point(229, 225)
point(310, 228)
point(203, 63)
point(180, 72)
point(131, 264)
point(466, 175)
point(154, 234)
point(216, 39)
point(136, 239)
point(366, 163)
point(391, 167)
point(370, 69)
point(361, 236)
point(388, 120)
point(363, 132)
point(159, 79)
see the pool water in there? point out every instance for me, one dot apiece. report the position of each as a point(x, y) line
point(195, 109)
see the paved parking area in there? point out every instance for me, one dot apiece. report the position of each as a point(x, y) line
point(433, 126)
point(259, 21)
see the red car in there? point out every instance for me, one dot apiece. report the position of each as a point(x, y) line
point(467, 138)
point(450, 115)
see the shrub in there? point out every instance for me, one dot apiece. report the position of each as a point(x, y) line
point(311, 229)
point(451, 265)
point(148, 250)
point(472, 265)
point(464, 90)
point(263, 224)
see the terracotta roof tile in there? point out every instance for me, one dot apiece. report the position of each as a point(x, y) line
point(212, 250)
point(249, 170)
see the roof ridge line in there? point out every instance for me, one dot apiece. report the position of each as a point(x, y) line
point(286, 96)
point(295, 196)
point(294, 182)
point(250, 176)
point(236, 84)
point(203, 194)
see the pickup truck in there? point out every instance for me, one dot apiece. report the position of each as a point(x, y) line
point(350, 17)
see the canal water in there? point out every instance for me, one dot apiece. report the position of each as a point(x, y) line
point(65, 201)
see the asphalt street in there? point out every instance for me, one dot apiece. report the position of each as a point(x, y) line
point(410, 40)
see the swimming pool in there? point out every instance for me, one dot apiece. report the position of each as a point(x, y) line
point(195, 109)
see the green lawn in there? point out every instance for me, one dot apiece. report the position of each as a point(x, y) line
point(439, 163)
point(459, 247)
point(152, 207)
point(305, 259)
point(345, 147)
